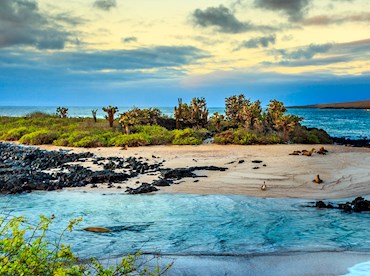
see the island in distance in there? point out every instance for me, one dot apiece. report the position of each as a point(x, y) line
point(346, 105)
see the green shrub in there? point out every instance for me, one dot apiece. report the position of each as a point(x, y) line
point(224, 138)
point(244, 137)
point(40, 137)
point(16, 133)
point(238, 137)
point(305, 135)
point(271, 139)
point(91, 142)
point(62, 142)
point(188, 136)
point(158, 135)
point(27, 250)
point(131, 140)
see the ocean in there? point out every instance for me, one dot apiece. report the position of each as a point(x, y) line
point(193, 224)
point(348, 123)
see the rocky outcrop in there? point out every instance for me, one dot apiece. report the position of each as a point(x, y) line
point(359, 204)
point(143, 189)
point(188, 172)
point(25, 169)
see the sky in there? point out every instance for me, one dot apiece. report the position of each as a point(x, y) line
point(150, 53)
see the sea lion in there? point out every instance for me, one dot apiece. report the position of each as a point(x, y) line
point(97, 229)
point(308, 153)
point(322, 151)
point(317, 180)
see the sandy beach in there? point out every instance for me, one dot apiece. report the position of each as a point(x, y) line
point(344, 170)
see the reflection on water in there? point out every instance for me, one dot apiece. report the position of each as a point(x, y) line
point(194, 224)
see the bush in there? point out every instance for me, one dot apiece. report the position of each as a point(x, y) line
point(224, 138)
point(305, 135)
point(244, 137)
point(188, 136)
point(158, 135)
point(131, 140)
point(26, 250)
point(40, 137)
point(239, 137)
point(271, 139)
point(90, 142)
point(16, 133)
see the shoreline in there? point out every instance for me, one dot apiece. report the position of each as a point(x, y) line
point(290, 263)
point(344, 170)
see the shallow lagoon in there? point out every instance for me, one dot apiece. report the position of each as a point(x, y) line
point(193, 224)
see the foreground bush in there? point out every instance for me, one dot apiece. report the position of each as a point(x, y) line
point(131, 140)
point(189, 136)
point(158, 135)
point(40, 137)
point(244, 137)
point(16, 133)
point(25, 250)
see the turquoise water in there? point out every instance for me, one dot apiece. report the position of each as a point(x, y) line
point(350, 123)
point(193, 224)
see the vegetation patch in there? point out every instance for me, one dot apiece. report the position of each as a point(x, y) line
point(244, 123)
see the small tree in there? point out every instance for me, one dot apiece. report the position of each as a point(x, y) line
point(275, 111)
point(62, 112)
point(251, 114)
point(110, 111)
point(233, 109)
point(199, 112)
point(94, 112)
point(216, 120)
point(129, 119)
point(287, 124)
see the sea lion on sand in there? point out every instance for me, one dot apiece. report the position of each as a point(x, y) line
point(317, 180)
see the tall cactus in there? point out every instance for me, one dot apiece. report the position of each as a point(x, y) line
point(129, 119)
point(178, 113)
point(199, 112)
point(94, 112)
point(111, 110)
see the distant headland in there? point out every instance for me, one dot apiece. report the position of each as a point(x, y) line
point(346, 105)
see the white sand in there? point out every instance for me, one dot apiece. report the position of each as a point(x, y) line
point(345, 170)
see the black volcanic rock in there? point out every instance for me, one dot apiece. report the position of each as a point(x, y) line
point(143, 189)
point(25, 169)
point(180, 173)
point(359, 204)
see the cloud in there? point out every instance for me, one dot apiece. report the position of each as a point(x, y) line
point(310, 62)
point(295, 9)
point(257, 42)
point(105, 60)
point(129, 39)
point(306, 52)
point(323, 20)
point(306, 56)
point(22, 23)
point(105, 5)
point(223, 20)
